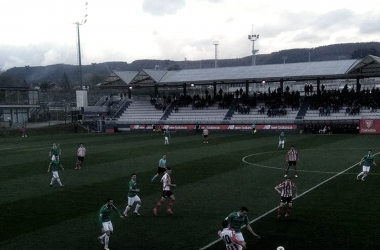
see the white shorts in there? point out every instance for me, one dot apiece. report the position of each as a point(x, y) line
point(132, 200)
point(281, 142)
point(239, 236)
point(366, 168)
point(107, 226)
point(53, 157)
point(55, 174)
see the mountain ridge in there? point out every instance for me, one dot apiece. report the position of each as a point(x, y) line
point(96, 73)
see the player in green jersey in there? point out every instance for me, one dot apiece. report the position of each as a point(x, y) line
point(55, 165)
point(281, 141)
point(55, 151)
point(105, 221)
point(254, 128)
point(237, 220)
point(166, 137)
point(367, 160)
point(132, 196)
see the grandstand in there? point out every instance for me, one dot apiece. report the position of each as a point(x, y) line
point(315, 91)
point(272, 109)
point(141, 112)
point(185, 114)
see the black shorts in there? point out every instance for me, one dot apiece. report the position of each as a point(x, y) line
point(81, 158)
point(292, 163)
point(166, 193)
point(286, 199)
point(205, 136)
point(160, 170)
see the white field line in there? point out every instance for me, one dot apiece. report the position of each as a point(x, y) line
point(299, 170)
point(24, 148)
point(275, 208)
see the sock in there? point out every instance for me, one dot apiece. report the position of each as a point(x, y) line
point(59, 182)
point(106, 240)
point(364, 175)
point(102, 237)
point(159, 204)
point(126, 209)
point(171, 204)
point(154, 177)
point(295, 171)
point(288, 211)
point(52, 181)
point(287, 170)
point(137, 208)
point(279, 211)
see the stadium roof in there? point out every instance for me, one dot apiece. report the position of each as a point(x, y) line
point(325, 70)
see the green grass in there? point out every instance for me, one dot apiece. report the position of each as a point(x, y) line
point(212, 181)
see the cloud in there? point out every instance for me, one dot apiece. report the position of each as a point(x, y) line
point(12, 61)
point(333, 19)
point(51, 57)
point(162, 8)
point(41, 54)
point(370, 24)
point(212, 1)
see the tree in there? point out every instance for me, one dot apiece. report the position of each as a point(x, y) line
point(361, 53)
point(66, 82)
point(44, 86)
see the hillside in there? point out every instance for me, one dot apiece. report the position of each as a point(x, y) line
point(96, 73)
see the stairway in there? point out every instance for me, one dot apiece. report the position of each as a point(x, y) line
point(303, 108)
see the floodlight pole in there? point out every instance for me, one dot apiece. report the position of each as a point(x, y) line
point(253, 38)
point(79, 58)
point(309, 53)
point(216, 43)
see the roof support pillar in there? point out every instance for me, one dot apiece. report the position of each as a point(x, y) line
point(214, 89)
point(318, 86)
point(129, 93)
point(358, 85)
point(155, 91)
point(184, 90)
point(247, 87)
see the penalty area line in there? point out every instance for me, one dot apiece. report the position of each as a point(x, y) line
point(275, 208)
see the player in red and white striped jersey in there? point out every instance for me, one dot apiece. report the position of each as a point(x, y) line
point(205, 135)
point(285, 189)
point(166, 192)
point(229, 237)
point(291, 158)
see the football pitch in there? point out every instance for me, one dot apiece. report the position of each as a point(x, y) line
point(332, 211)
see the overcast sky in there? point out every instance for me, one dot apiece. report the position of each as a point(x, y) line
point(42, 32)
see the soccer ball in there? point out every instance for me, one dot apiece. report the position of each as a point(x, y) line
point(280, 248)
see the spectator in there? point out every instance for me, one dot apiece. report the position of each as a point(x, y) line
point(23, 132)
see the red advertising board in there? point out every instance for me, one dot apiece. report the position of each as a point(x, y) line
point(218, 127)
point(369, 126)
